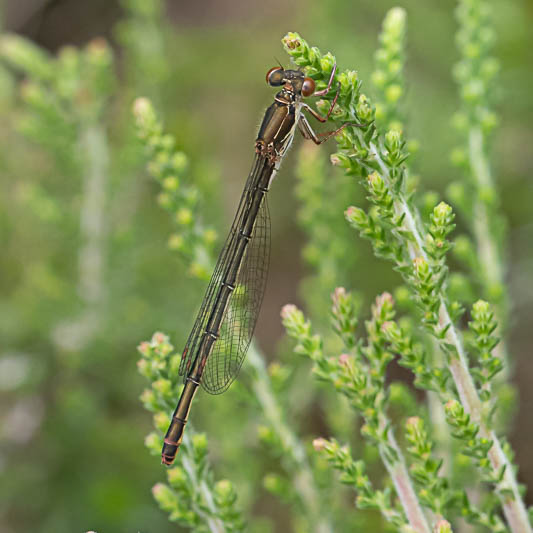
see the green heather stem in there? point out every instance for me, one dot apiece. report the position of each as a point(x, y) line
point(302, 477)
point(92, 219)
point(475, 73)
point(214, 524)
point(389, 82)
point(513, 505)
point(458, 365)
point(192, 497)
point(402, 208)
point(361, 378)
point(73, 334)
point(404, 487)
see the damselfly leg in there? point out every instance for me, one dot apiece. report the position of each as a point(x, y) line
point(303, 124)
point(318, 138)
point(325, 91)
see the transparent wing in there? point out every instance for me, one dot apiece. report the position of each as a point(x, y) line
point(239, 322)
point(190, 351)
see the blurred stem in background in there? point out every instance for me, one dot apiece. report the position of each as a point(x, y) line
point(388, 75)
point(477, 197)
point(73, 91)
point(143, 33)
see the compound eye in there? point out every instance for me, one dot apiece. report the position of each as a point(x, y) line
point(308, 87)
point(276, 76)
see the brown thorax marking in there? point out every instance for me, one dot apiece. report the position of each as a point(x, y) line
point(267, 150)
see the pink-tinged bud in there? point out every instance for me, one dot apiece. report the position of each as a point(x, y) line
point(159, 338)
point(144, 348)
point(339, 291)
point(350, 212)
point(443, 526)
point(388, 297)
point(141, 106)
point(374, 178)
point(453, 408)
point(418, 261)
point(387, 326)
point(287, 311)
point(158, 489)
point(413, 420)
point(384, 300)
point(319, 444)
point(356, 215)
point(344, 359)
point(335, 160)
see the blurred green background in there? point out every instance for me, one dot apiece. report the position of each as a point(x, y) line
point(71, 425)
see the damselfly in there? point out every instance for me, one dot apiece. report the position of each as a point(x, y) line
point(225, 323)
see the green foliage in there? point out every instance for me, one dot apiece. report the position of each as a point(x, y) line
point(360, 376)
point(168, 166)
point(387, 77)
point(353, 474)
point(483, 326)
point(192, 497)
point(86, 274)
point(298, 482)
point(475, 122)
point(418, 251)
point(432, 489)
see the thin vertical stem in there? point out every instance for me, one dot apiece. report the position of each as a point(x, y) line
point(302, 477)
point(75, 333)
point(214, 524)
point(491, 261)
point(403, 485)
point(92, 219)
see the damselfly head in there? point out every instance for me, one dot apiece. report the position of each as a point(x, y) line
point(278, 76)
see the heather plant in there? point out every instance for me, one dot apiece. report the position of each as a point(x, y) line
point(418, 248)
point(110, 215)
point(71, 287)
point(419, 494)
point(192, 239)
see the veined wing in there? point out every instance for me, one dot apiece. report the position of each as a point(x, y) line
point(194, 341)
point(239, 322)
